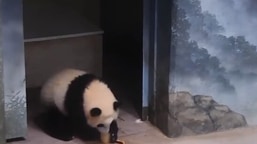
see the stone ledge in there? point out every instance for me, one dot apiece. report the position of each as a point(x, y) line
point(200, 114)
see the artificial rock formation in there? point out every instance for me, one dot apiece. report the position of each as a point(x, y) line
point(199, 114)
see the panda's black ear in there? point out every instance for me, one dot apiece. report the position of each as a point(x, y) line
point(95, 112)
point(116, 105)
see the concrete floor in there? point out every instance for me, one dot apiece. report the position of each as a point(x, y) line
point(136, 132)
point(133, 131)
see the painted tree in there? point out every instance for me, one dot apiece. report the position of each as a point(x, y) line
point(192, 61)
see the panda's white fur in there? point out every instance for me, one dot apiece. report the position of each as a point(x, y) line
point(54, 90)
point(96, 95)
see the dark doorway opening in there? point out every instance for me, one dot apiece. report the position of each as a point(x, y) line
point(122, 49)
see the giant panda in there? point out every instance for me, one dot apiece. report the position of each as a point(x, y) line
point(79, 104)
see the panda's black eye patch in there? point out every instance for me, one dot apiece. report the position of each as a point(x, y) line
point(95, 112)
point(100, 125)
point(116, 105)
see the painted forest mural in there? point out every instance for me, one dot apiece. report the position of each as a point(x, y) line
point(215, 44)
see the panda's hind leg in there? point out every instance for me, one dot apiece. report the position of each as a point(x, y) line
point(55, 124)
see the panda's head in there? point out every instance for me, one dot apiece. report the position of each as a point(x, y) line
point(102, 109)
point(107, 126)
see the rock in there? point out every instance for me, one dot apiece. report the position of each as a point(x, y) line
point(174, 128)
point(199, 114)
point(196, 119)
point(180, 101)
point(187, 132)
point(222, 108)
point(223, 118)
point(206, 102)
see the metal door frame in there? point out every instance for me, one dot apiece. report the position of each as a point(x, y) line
point(157, 62)
point(2, 104)
point(12, 65)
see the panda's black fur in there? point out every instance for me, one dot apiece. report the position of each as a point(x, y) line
point(62, 127)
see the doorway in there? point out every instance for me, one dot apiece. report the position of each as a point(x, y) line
point(122, 49)
point(100, 37)
point(105, 39)
point(65, 33)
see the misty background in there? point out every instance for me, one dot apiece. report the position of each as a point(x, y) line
point(216, 55)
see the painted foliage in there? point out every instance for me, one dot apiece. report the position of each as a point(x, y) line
point(216, 55)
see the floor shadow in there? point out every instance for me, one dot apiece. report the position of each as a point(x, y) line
point(39, 121)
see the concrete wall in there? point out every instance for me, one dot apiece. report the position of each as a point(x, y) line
point(88, 8)
point(46, 23)
point(44, 58)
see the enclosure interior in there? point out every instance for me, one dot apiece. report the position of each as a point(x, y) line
point(100, 37)
point(122, 49)
point(106, 38)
